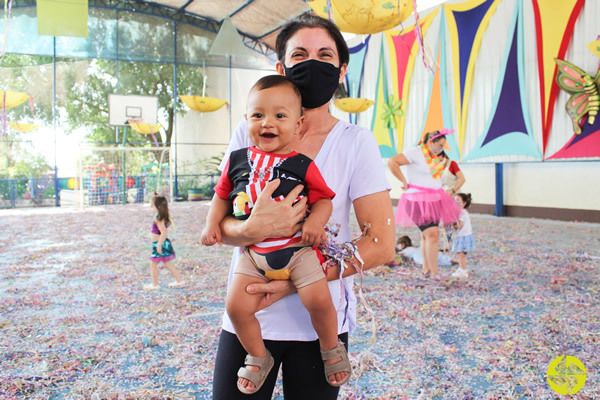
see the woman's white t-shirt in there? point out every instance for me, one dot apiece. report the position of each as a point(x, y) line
point(418, 172)
point(351, 164)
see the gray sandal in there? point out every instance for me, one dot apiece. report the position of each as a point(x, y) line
point(342, 365)
point(257, 378)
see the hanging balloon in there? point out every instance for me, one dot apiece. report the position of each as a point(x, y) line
point(21, 127)
point(203, 104)
point(10, 99)
point(144, 128)
point(364, 16)
point(353, 104)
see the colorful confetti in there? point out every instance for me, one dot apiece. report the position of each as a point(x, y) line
point(76, 323)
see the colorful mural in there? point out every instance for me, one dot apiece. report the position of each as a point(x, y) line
point(402, 48)
point(554, 22)
point(508, 130)
point(466, 23)
point(437, 114)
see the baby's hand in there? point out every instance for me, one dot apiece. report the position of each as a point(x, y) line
point(313, 234)
point(211, 236)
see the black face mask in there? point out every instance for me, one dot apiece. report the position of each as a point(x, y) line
point(317, 81)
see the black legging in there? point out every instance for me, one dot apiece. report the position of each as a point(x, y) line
point(302, 368)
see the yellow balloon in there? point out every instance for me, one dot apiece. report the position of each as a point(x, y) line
point(72, 183)
point(13, 99)
point(353, 104)
point(364, 16)
point(144, 128)
point(203, 104)
point(22, 127)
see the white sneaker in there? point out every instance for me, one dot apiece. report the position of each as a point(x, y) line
point(177, 285)
point(460, 274)
point(151, 287)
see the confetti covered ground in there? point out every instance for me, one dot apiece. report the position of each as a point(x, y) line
point(76, 324)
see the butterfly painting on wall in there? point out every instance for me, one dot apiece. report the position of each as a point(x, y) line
point(585, 98)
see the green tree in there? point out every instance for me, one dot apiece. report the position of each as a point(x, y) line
point(32, 75)
point(87, 101)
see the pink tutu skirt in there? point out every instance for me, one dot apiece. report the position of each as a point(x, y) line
point(429, 206)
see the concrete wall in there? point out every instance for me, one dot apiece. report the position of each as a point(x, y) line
point(203, 135)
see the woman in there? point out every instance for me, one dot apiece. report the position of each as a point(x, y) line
point(313, 54)
point(452, 178)
point(424, 203)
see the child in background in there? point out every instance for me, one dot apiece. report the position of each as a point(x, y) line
point(464, 240)
point(405, 249)
point(162, 250)
point(274, 119)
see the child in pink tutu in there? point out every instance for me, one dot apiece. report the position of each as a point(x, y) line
point(424, 202)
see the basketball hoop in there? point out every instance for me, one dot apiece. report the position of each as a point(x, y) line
point(123, 108)
point(134, 121)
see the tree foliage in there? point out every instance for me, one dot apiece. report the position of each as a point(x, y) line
point(87, 102)
point(23, 73)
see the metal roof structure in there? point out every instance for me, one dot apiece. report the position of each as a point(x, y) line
point(132, 30)
point(257, 21)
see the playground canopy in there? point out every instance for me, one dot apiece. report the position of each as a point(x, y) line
point(169, 31)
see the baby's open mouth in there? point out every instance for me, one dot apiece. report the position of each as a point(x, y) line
point(268, 135)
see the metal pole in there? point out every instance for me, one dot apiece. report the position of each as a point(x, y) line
point(124, 169)
point(56, 191)
point(175, 190)
point(499, 209)
point(13, 194)
point(229, 97)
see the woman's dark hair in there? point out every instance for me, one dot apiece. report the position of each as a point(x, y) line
point(466, 198)
point(432, 134)
point(405, 240)
point(443, 154)
point(311, 21)
point(270, 81)
point(162, 206)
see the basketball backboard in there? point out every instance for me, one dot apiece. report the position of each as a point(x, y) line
point(122, 108)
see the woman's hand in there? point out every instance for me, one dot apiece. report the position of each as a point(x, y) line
point(394, 165)
point(269, 218)
point(277, 218)
point(272, 291)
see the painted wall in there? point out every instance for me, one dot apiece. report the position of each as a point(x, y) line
point(203, 135)
point(553, 185)
point(560, 184)
point(527, 182)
